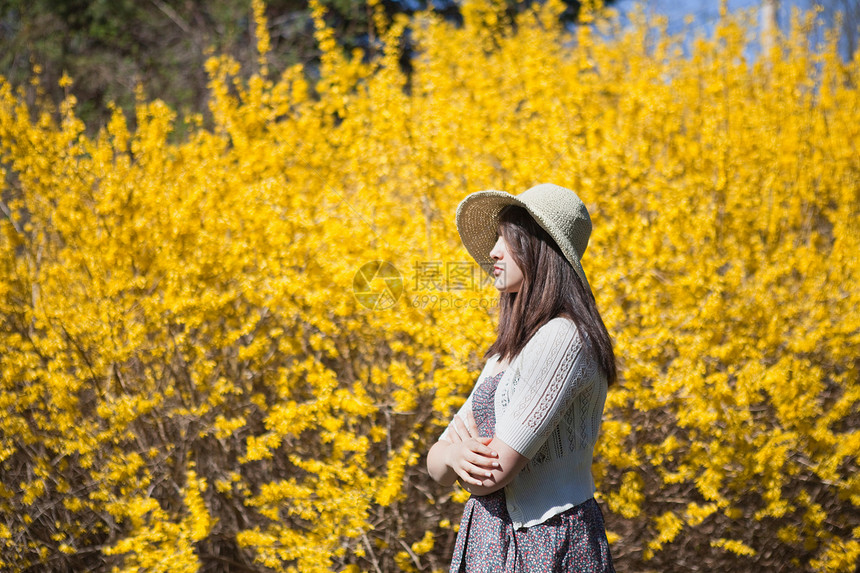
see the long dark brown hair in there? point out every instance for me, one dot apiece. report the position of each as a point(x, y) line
point(550, 288)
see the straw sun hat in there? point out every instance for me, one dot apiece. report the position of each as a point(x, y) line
point(558, 210)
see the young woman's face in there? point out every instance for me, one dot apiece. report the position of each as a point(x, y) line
point(509, 276)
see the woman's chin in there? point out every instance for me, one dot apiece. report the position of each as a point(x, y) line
point(503, 288)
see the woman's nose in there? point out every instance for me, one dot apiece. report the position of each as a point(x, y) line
point(496, 253)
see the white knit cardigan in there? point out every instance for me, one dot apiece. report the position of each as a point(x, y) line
point(549, 405)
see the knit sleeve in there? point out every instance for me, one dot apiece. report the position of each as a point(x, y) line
point(555, 367)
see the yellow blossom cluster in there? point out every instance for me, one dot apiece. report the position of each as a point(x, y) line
point(234, 347)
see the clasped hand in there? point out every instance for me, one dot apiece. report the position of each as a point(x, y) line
point(469, 454)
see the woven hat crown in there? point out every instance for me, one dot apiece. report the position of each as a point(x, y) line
point(561, 210)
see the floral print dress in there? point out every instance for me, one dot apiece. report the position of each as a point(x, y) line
point(572, 541)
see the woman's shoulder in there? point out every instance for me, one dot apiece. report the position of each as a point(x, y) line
point(555, 333)
point(560, 325)
point(561, 320)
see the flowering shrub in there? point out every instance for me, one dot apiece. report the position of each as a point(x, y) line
point(195, 375)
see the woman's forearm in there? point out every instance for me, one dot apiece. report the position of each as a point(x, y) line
point(440, 471)
point(510, 463)
point(482, 470)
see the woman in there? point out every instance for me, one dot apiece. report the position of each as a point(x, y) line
point(522, 443)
